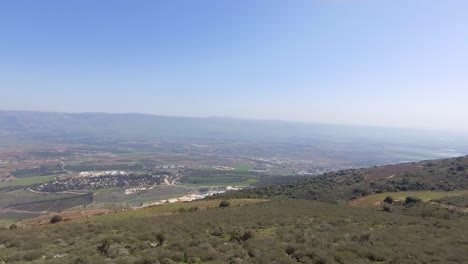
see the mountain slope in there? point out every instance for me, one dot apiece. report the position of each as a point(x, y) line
point(284, 229)
point(288, 231)
point(337, 187)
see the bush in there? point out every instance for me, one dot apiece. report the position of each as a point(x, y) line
point(388, 200)
point(387, 208)
point(460, 168)
point(248, 235)
point(410, 200)
point(56, 219)
point(160, 238)
point(224, 203)
point(104, 247)
point(32, 255)
point(13, 226)
point(167, 261)
point(290, 249)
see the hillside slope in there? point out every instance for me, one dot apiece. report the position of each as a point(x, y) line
point(287, 231)
point(338, 187)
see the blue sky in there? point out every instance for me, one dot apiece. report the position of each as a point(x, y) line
point(371, 62)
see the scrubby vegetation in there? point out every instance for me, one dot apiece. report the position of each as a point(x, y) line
point(287, 231)
point(412, 200)
point(224, 203)
point(338, 187)
point(394, 225)
point(460, 201)
point(56, 219)
point(388, 200)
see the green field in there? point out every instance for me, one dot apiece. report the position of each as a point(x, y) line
point(244, 168)
point(375, 200)
point(54, 205)
point(18, 196)
point(28, 181)
point(12, 217)
point(217, 178)
point(5, 222)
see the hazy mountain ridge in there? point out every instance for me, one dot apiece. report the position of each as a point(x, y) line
point(151, 126)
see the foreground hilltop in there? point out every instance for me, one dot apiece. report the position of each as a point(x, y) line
point(417, 214)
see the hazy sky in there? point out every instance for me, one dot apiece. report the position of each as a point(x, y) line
point(374, 62)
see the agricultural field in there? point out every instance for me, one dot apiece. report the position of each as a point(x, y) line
point(28, 181)
point(17, 204)
point(55, 205)
point(17, 196)
point(220, 178)
point(10, 217)
point(244, 168)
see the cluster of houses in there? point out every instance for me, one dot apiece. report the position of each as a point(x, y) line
point(104, 180)
point(101, 173)
point(165, 167)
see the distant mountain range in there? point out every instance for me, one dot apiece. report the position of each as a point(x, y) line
point(155, 126)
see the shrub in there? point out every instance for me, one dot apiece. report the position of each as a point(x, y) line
point(104, 247)
point(13, 226)
point(224, 203)
point(56, 219)
point(460, 168)
point(410, 200)
point(387, 208)
point(80, 260)
point(388, 200)
point(363, 237)
point(248, 235)
point(167, 261)
point(290, 249)
point(194, 208)
point(32, 255)
point(360, 192)
point(160, 238)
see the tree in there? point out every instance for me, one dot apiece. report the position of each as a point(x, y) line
point(224, 203)
point(248, 235)
point(410, 200)
point(160, 238)
point(104, 247)
point(388, 200)
point(55, 219)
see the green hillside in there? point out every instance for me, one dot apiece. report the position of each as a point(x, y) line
point(288, 231)
point(338, 187)
point(419, 224)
